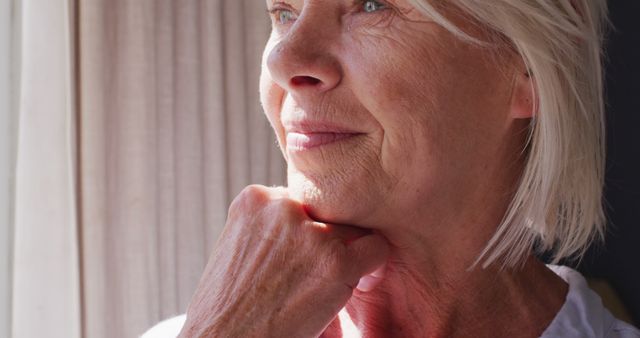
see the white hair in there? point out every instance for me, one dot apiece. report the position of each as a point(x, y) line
point(557, 207)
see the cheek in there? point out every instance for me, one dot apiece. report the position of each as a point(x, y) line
point(441, 105)
point(403, 98)
point(271, 98)
point(271, 95)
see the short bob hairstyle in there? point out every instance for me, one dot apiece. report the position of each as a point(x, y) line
point(557, 207)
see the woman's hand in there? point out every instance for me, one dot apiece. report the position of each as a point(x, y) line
point(277, 273)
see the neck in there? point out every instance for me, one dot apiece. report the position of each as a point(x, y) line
point(433, 293)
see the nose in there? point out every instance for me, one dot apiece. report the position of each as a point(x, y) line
point(303, 61)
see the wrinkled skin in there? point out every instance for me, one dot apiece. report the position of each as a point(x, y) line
point(430, 136)
point(273, 265)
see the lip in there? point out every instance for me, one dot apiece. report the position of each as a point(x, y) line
point(306, 141)
point(305, 135)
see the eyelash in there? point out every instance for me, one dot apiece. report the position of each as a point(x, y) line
point(281, 7)
point(278, 8)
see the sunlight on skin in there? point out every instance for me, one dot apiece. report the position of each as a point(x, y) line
point(378, 174)
point(349, 329)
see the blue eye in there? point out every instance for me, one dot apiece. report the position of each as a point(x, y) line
point(285, 16)
point(373, 5)
point(282, 16)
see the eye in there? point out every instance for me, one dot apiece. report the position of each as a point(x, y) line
point(285, 16)
point(370, 6)
point(282, 15)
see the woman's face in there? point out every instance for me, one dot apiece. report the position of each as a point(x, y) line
point(384, 116)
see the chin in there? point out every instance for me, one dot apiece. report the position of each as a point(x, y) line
point(335, 198)
point(341, 183)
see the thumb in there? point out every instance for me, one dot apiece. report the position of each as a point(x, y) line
point(371, 281)
point(368, 255)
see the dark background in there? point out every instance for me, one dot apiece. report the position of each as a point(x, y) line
point(618, 261)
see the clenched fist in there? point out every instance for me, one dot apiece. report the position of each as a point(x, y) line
point(277, 273)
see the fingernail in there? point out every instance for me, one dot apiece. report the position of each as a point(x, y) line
point(368, 283)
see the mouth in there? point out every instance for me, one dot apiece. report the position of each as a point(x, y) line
point(299, 141)
point(307, 134)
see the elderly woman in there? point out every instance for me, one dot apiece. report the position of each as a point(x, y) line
point(433, 147)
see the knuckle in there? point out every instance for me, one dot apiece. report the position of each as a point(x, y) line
point(286, 206)
point(255, 194)
point(250, 197)
point(286, 212)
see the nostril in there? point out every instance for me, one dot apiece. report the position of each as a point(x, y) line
point(305, 80)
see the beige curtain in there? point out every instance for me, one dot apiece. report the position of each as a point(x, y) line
point(8, 31)
point(170, 131)
point(140, 121)
point(46, 293)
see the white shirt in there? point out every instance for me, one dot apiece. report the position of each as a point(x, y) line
point(581, 316)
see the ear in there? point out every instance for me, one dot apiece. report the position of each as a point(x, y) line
point(523, 97)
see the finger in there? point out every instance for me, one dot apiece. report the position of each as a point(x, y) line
point(281, 192)
point(366, 255)
point(380, 272)
point(254, 196)
point(346, 233)
point(372, 280)
point(368, 283)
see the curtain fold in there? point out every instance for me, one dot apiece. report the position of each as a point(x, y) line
point(46, 292)
point(7, 161)
point(171, 129)
point(139, 121)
